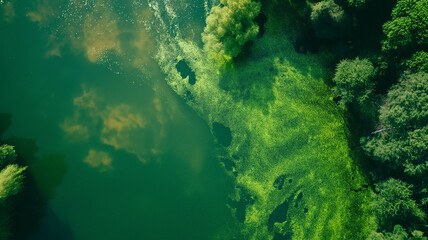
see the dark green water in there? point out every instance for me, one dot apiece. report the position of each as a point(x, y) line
point(134, 161)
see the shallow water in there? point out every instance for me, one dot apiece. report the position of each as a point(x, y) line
point(130, 131)
point(134, 161)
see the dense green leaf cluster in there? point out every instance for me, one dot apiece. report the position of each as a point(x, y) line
point(405, 115)
point(408, 28)
point(398, 145)
point(399, 233)
point(354, 81)
point(230, 26)
point(357, 3)
point(327, 18)
point(418, 62)
point(393, 204)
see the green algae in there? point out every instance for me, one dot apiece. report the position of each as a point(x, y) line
point(284, 124)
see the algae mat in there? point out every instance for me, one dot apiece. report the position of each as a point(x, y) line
point(280, 135)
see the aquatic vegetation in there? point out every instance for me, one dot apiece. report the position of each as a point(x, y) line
point(11, 178)
point(11, 183)
point(296, 168)
point(294, 172)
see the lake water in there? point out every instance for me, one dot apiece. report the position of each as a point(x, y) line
point(130, 131)
point(133, 160)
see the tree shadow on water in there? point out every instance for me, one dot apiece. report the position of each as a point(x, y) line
point(43, 175)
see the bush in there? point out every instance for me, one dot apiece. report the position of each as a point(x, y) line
point(229, 27)
point(354, 81)
point(327, 18)
point(408, 29)
point(417, 63)
point(393, 204)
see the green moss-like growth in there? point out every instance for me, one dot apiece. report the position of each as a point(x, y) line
point(298, 134)
point(229, 27)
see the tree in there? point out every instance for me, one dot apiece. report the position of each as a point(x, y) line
point(230, 26)
point(357, 3)
point(404, 115)
point(408, 29)
point(399, 233)
point(418, 62)
point(327, 18)
point(354, 81)
point(393, 204)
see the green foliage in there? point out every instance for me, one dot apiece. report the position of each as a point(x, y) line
point(283, 122)
point(418, 62)
point(327, 18)
point(11, 179)
point(408, 28)
point(354, 81)
point(393, 204)
point(399, 233)
point(229, 27)
point(405, 112)
point(357, 3)
point(7, 155)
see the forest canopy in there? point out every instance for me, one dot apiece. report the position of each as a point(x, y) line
point(405, 115)
point(408, 28)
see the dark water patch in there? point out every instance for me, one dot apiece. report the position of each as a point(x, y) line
point(48, 172)
point(298, 199)
point(229, 164)
point(280, 212)
point(279, 182)
point(188, 96)
point(5, 122)
point(245, 199)
point(53, 228)
point(222, 134)
point(185, 71)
